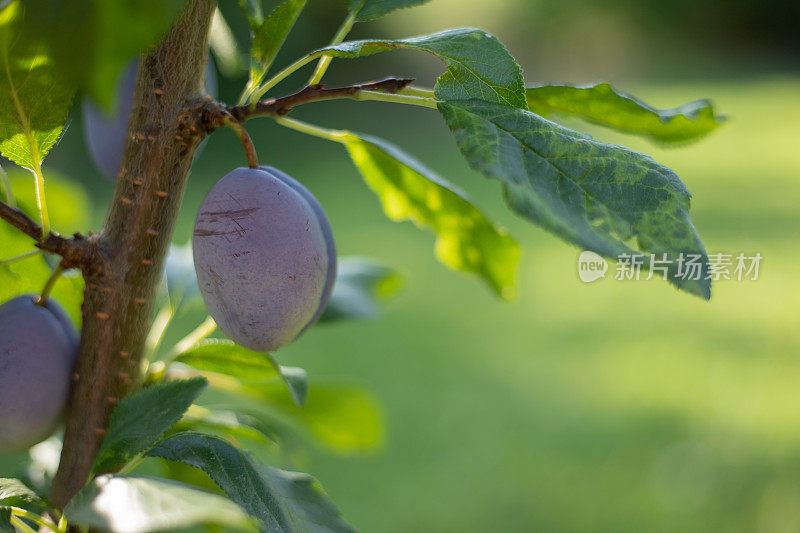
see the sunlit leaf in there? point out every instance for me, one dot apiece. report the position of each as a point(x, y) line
point(93, 40)
point(604, 105)
point(466, 239)
point(360, 285)
point(252, 11)
point(478, 65)
point(601, 197)
point(129, 504)
point(268, 37)
point(344, 418)
point(226, 357)
point(143, 417)
point(34, 97)
point(227, 423)
point(14, 493)
point(283, 501)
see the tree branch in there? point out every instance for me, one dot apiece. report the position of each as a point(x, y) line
point(78, 252)
point(118, 302)
point(209, 115)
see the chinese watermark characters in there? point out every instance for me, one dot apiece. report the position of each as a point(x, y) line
point(719, 266)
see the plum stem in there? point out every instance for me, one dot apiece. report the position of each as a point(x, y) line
point(51, 282)
point(244, 137)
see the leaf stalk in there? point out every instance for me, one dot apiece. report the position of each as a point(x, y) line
point(325, 61)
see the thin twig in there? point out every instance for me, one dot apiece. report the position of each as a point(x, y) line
point(212, 115)
point(76, 252)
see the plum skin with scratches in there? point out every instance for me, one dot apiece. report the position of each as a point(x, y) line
point(261, 257)
point(38, 347)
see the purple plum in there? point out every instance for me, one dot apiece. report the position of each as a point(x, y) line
point(261, 258)
point(38, 346)
point(322, 218)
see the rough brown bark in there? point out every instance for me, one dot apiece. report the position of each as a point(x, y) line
point(118, 301)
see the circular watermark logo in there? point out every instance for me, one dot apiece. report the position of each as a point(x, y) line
point(591, 266)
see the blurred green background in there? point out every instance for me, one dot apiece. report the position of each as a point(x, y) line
point(615, 406)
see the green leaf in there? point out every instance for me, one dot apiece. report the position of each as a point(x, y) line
point(14, 493)
point(601, 197)
point(345, 418)
point(283, 501)
point(269, 36)
point(227, 423)
point(253, 12)
point(93, 40)
point(226, 357)
point(466, 239)
point(129, 504)
point(360, 285)
point(478, 65)
point(34, 98)
point(372, 9)
point(604, 105)
point(143, 417)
